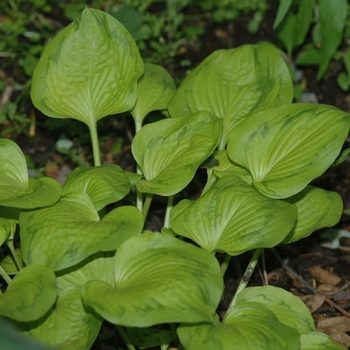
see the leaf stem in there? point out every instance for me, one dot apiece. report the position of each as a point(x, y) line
point(210, 182)
point(225, 264)
point(5, 276)
point(95, 144)
point(139, 195)
point(14, 254)
point(245, 279)
point(147, 204)
point(169, 206)
point(125, 338)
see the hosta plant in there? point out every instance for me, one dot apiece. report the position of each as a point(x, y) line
point(76, 262)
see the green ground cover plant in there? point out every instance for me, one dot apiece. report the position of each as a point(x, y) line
point(329, 23)
point(80, 262)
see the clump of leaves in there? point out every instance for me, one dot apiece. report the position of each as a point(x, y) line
point(78, 264)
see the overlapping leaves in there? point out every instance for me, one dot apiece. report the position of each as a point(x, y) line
point(233, 217)
point(233, 84)
point(170, 151)
point(286, 147)
point(68, 232)
point(158, 279)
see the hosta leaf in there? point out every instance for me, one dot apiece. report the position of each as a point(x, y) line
point(68, 326)
point(170, 151)
point(233, 217)
point(233, 84)
point(68, 232)
point(7, 228)
point(154, 91)
point(317, 208)
point(248, 326)
point(227, 167)
point(88, 71)
point(104, 184)
point(30, 295)
point(286, 147)
point(318, 341)
point(288, 308)
point(97, 266)
point(158, 279)
point(16, 188)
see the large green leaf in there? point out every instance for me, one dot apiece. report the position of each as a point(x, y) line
point(333, 15)
point(16, 188)
point(158, 279)
point(234, 83)
point(170, 151)
point(68, 326)
point(30, 295)
point(154, 91)
point(288, 308)
point(68, 232)
point(286, 147)
point(104, 184)
point(233, 217)
point(249, 326)
point(97, 266)
point(318, 341)
point(317, 208)
point(88, 71)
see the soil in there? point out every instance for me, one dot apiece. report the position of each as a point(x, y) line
point(325, 271)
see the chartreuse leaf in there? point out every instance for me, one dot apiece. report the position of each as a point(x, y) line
point(227, 167)
point(68, 232)
point(317, 208)
point(286, 147)
point(30, 295)
point(233, 217)
point(88, 71)
point(170, 151)
point(288, 308)
point(154, 91)
point(97, 266)
point(248, 326)
point(233, 84)
point(318, 341)
point(68, 326)
point(104, 184)
point(7, 228)
point(16, 188)
point(333, 15)
point(158, 279)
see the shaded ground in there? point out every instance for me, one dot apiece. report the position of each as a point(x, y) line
point(325, 271)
